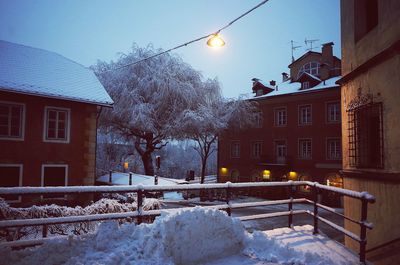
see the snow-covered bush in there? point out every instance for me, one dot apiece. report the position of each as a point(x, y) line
point(104, 205)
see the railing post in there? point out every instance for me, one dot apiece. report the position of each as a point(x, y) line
point(316, 191)
point(44, 231)
point(290, 204)
point(130, 178)
point(110, 176)
point(363, 230)
point(228, 197)
point(140, 204)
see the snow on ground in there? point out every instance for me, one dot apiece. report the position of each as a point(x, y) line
point(119, 178)
point(193, 236)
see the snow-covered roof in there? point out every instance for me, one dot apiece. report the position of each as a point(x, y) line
point(33, 71)
point(310, 75)
point(287, 88)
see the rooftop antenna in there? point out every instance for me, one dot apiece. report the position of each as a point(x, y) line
point(293, 48)
point(307, 42)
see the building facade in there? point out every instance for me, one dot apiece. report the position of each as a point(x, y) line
point(48, 120)
point(298, 128)
point(370, 109)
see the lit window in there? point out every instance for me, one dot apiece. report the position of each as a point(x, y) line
point(333, 112)
point(305, 116)
point(54, 175)
point(256, 149)
point(311, 68)
point(305, 149)
point(11, 121)
point(280, 117)
point(235, 149)
point(57, 124)
point(334, 149)
point(11, 176)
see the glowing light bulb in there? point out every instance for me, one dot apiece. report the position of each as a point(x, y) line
point(215, 41)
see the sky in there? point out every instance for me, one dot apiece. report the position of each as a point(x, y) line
point(257, 45)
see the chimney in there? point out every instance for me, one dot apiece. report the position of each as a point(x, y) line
point(285, 77)
point(272, 82)
point(327, 53)
point(327, 60)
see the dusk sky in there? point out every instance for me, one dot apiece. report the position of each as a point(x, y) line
point(258, 45)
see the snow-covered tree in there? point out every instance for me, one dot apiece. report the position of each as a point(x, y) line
point(212, 115)
point(150, 98)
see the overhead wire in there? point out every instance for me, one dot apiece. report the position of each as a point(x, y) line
point(192, 41)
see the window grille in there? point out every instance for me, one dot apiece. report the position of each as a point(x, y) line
point(365, 128)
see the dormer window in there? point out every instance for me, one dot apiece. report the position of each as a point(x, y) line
point(259, 92)
point(305, 85)
point(311, 68)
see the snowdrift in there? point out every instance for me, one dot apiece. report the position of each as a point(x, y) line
point(194, 236)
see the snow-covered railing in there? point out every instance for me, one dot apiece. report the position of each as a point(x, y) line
point(228, 187)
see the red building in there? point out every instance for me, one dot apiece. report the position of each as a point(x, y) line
point(298, 131)
point(48, 118)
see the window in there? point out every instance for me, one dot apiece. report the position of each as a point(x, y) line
point(258, 119)
point(333, 149)
point(305, 116)
point(280, 117)
point(259, 92)
point(305, 85)
point(54, 175)
point(365, 17)
point(235, 149)
point(11, 121)
point(333, 114)
point(366, 136)
point(280, 151)
point(305, 149)
point(57, 122)
point(256, 149)
point(11, 176)
point(311, 68)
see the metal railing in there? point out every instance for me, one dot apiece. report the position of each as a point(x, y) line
point(228, 187)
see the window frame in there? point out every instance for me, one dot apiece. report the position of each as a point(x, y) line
point(328, 113)
point(277, 116)
point(236, 143)
point(301, 121)
point(328, 157)
point(67, 127)
point(258, 116)
point(42, 178)
point(254, 149)
point(280, 142)
point(359, 151)
point(21, 171)
point(315, 71)
point(299, 153)
point(22, 122)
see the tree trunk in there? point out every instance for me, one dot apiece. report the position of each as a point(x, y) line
point(203, 170)
point(148, 164)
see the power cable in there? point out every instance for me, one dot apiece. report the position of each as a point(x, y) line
point(195, 40)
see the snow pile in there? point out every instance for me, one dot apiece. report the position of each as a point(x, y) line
point(104, 205)
point(192, 236)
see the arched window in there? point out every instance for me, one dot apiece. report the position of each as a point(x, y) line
point(311, 68)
